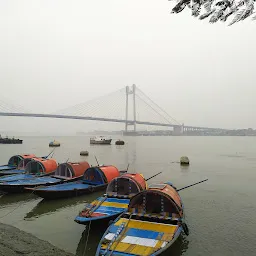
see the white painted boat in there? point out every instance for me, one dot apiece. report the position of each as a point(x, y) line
point(100, 140)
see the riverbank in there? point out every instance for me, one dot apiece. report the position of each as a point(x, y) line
point(15, 242)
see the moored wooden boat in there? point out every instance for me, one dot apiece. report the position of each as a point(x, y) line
point(37, 167)
point(94, 179)
point(100, 140)
point(14, 162)
point(65, 172)
point(153, 222)
point(54, 144)
point(116, 200)
point(20, 168)
point(10, 140)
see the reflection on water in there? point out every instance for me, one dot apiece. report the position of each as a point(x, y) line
point(46, 207)
point(9, 199)
point(92, 236)
point(178, 248)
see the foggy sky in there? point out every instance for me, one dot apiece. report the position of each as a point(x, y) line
point(55, 54)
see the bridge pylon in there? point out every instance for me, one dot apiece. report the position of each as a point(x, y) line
point(130, 90)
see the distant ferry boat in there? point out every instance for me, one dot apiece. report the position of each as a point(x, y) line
point(10, 141)
point(100, 140)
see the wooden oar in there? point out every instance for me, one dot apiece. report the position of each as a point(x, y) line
point(192, 185)
point(49, 154)
point(153, 176)
point(95, 207)
point(96, 160)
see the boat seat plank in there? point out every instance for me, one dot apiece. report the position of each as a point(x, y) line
point(112, 204)
point(134, 248)
point(138, 233)
point(145, 225)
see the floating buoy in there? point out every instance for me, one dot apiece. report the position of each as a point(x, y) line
point(84, 153)
point(54, 144)
point(184, 160)
point(119, 142)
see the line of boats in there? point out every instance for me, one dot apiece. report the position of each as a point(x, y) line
point(144, 220)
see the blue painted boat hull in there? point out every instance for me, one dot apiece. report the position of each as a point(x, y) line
point(68, 189)
point(110, 212)
point(7, 167)
point(17, 183)
point(11, 172)
point(15, 177)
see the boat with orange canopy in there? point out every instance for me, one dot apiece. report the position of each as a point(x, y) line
point(34, 168)
point(65, 172)
point(14, 162)
point(93, 179)
point(17, 164)
point(118, 194)
point(153, 222)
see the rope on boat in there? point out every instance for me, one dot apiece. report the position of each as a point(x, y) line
point(118, 236)
point(87, 238)
point(15, 207)
point(95, 207)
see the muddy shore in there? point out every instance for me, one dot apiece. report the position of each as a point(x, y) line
point(15, 242)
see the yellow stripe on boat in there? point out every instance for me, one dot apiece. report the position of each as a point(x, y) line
point(134, 248)
point(145, 225)
point(112, 204)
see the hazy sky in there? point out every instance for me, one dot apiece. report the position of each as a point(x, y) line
point(55, 54)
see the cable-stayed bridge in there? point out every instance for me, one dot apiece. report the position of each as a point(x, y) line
point(129, 106)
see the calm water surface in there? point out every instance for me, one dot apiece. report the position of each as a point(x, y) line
point(220, 213)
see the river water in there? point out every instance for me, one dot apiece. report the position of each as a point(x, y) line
point(220, 213)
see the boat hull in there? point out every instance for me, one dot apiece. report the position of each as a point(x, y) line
point(7, 167)
point(9, 178)
point(17, 183)
point(11, 172)
point(11, 141)
point(103, 142)
point(109, 209)
point(55, 193)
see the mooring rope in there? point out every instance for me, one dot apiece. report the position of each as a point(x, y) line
point(18, 204)
point(87, 238)
point(118, 239)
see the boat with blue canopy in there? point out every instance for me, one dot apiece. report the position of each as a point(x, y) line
point(116, 199)
point(93, 179)
point(38, 167)
point(153, 222)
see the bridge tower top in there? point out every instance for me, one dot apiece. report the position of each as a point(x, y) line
point(130, 90)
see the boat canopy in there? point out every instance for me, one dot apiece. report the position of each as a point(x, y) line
point(41, 165)
point(72, 170)
point(127, 185)
point(158, 199)
point(101, 174)
point(23, 163)
point(15, 160)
